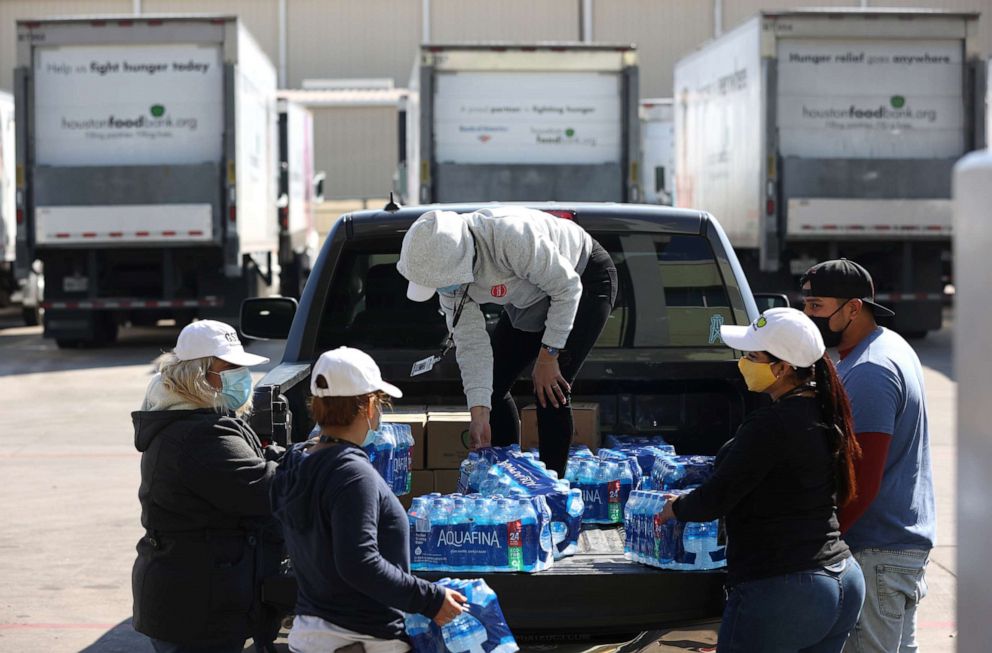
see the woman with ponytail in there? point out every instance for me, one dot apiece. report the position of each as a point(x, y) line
point(792, 583)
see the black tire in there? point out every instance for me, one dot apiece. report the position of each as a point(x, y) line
point(69, 343)
point(31, 315)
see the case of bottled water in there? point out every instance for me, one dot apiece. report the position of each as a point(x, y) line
point(472, 532)
point(684, 546)
point(391, 453)
point(481, 629)
point(679, 473)
point(509, 472)
point(605, 482)
point(615, 441)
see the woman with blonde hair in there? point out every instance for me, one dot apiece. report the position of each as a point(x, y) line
point(209, 533)
point(347, 534)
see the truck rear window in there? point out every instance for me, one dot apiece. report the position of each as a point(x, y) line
point(671, 294)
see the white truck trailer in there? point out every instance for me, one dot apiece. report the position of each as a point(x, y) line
point(147, 159)
point(301, 188)
point(8, 215)
point(816, 134)
point(658, 151)
point(517, 123)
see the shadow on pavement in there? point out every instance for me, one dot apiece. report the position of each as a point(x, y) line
point(122, 638)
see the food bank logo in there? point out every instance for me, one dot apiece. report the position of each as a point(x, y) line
point(155, 118)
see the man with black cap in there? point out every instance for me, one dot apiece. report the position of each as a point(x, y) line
point(891, 525)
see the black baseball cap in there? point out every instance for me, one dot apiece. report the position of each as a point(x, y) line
point(843, 279)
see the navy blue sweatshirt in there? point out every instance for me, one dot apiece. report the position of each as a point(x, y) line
point(349, 540)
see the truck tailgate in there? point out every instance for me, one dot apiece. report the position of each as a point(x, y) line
point(597, 591)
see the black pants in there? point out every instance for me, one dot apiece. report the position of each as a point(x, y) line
point(515, 350)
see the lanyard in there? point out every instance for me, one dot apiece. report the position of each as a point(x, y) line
point(449, 340)
point(427, 364)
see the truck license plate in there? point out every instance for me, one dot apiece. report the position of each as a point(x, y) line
point(75, 284)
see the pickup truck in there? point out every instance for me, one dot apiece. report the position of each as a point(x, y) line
point(659, 367)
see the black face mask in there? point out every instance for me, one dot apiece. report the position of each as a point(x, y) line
point(830, 338)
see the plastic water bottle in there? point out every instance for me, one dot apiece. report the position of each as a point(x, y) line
point(630, 526)
point(529, 535)
point(501, 516)
point(466, 470)
point(478, 475)
point(419, 524)
point(694, 543)
point(437, 515)
point(464, 634)
point(417, 625)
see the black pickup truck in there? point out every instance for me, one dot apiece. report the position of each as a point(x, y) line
point(658, 368)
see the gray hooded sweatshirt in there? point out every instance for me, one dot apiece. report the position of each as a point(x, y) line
point(528, 261)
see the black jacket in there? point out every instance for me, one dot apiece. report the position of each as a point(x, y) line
point(210, 536)
point(776, 484)
point(349, 540)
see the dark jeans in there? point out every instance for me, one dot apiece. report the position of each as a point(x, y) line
point(514, 350)
point(808, 611)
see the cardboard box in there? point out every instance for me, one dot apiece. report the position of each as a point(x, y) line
point(585, 417)
point(422, 483)
point(447, 439)
point(417, 423)
point(446, 480)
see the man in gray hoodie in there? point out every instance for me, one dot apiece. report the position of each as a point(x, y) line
point(557, 286)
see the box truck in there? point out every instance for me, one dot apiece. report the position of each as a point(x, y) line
point(817, 134)
point(301, 188)
point(528, 123)
point(8, 219)
point(658, 151)
point(146, 170)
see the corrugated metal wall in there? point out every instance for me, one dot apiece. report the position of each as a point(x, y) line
point(984, 6)
point(458, 21)
point(345, 38)
point(358, 149)
point(11, 10)
point(260, 16)
point(663, 30)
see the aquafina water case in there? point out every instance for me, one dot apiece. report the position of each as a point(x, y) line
point(480, 534)
point(508, 472)
point(481, 629)
point(391, 453)
point(680, 472)
point(685, 546)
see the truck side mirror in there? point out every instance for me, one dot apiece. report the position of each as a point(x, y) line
point(318, 187)
point(766, 300)
point(267, 318)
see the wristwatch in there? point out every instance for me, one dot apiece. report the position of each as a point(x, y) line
point(552, 351)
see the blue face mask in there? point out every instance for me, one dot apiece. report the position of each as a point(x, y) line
point(449, 290)
point(236, 387)
point(370, 434)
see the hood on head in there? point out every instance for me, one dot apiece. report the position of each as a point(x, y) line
point(438, 250)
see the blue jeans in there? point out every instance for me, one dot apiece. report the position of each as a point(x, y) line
point(162, 646)
point(810, 611)
point(896, 584)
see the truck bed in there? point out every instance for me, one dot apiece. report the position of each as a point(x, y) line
point(592, 593)
point(597, 591)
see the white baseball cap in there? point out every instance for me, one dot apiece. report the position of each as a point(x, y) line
point(212, 338)
point(785, 333)
point(349, 372)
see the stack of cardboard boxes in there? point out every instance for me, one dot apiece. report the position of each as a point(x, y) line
point(442, 442)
